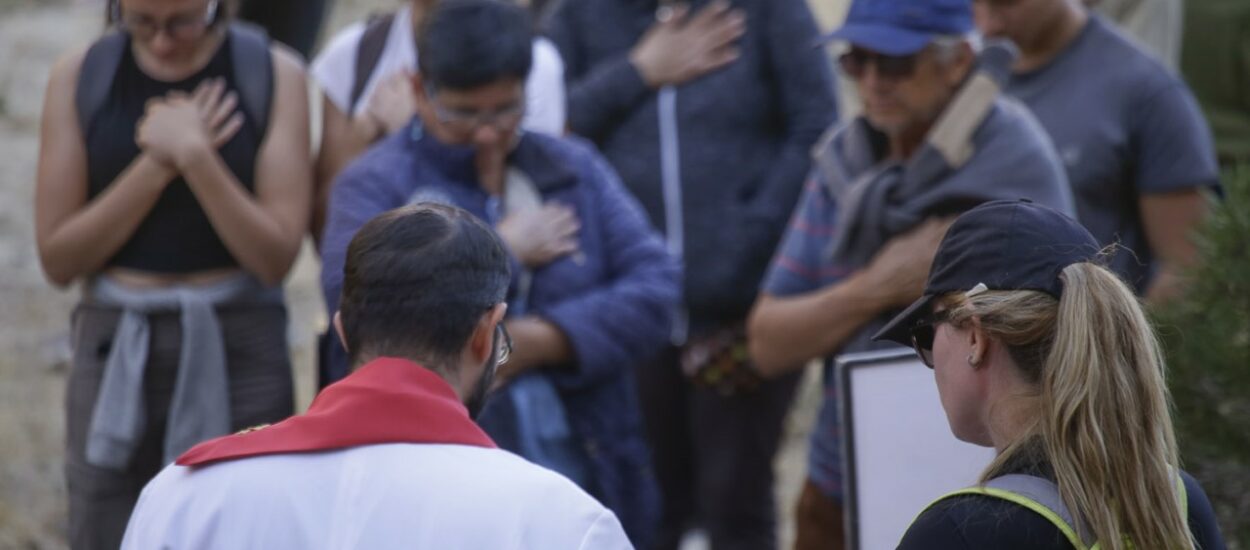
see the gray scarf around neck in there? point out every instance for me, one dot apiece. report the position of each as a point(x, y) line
point(951, 171)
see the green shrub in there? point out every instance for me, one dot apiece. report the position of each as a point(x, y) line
point(1206, 336)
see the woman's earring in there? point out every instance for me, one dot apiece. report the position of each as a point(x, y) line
point(972, 362)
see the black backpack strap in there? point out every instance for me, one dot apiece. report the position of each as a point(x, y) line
point(253, 72)
point(95, 78)
point(369, 53)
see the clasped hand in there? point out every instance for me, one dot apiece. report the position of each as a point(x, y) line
point(542, 235)
point(177, 128)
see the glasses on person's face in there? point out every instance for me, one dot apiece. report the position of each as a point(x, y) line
point(855, 63)
point(923, 333)
point(465, 120)
point(183, 28)
point(504, 341)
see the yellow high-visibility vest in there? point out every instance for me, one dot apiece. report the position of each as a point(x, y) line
point(1041, 495)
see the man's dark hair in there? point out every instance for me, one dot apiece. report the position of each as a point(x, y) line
point(466, 44)
point(416, 282)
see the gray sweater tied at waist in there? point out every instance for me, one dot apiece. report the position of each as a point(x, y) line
point(200, 408)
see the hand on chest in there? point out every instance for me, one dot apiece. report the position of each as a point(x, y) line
point(559, 242)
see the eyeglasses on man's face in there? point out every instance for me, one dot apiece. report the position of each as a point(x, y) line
point(923, 334)
point(467, 120)
point(181, 27)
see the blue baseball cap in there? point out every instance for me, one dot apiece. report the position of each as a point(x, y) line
point(1004, 245)
point(902, 27)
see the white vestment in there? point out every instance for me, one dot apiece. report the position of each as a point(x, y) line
point(393, 495)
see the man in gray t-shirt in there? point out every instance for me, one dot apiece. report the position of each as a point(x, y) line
point(1137, 151)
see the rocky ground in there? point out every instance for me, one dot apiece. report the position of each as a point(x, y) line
point(34, 317)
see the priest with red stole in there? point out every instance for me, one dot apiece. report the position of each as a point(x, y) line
point(390, 456)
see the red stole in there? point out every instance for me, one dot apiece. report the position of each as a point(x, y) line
point(388, 400)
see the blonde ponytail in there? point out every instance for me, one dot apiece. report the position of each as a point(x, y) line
point(1104, 422)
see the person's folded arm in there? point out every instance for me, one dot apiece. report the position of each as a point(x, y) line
point(622, 323)
point(795, 320)
point(264, 230)
point(788, 331)
point(76, 236)
point(599, 95)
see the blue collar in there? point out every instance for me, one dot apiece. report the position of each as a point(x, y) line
point(533, 155)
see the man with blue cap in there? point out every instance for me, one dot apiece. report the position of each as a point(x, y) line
point(935, 138)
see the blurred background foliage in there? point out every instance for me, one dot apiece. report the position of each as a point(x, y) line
point(1206, 336)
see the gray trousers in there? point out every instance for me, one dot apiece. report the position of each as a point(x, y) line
point(261, 391)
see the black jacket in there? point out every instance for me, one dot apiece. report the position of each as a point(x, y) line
point(744, 133)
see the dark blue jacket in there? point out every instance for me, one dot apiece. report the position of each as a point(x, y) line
point(613, 302)
point(745, 132)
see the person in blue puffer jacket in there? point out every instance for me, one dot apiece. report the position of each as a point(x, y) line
point(593, 285)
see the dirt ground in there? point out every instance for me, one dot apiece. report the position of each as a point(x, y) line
point(34, 316)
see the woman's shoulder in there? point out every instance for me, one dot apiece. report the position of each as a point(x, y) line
point(1202, 520)
point(62, 90)
point(981, 521)
point(66, 67)
point(286, 62)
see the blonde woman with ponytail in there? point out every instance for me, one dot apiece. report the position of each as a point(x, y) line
point(1045, 355)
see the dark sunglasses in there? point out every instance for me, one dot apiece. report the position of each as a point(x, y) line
point(922, 334)
point(855, 63)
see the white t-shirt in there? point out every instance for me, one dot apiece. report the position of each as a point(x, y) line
point(335, 68)
point(386, 496)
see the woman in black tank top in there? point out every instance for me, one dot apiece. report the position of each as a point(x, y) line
point(181, 213)
point(176, 236)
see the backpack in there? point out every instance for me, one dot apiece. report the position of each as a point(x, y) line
point(249, 57)
point(369, 53)
point(1041, 495)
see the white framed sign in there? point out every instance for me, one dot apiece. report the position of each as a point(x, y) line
point(898, 451)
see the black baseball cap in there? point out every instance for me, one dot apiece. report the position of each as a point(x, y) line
point(1003, 245)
